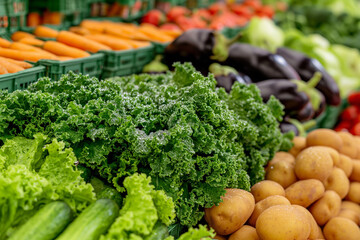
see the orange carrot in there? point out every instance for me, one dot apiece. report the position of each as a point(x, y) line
point(16, 36)
point(23, 55)
point(137, 44)
point(61, 49)
point(155, 34)
point(10, 67)
point(55, 18)
point(64, 58)
point(19, 63)
point(114, 10)
point(127, 33)
point(81, 42)
point(93, 25)
point(3, 70)
point(80, 30)
point(32, 41)
point(171, 33)
point(33, 19)
point(4, 43)
point(113, 42)
point(42, 31)
point(29, 48)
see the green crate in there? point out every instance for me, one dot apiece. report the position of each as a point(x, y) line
point(199, 3)
point(91, 66)
point(16, 23)
point(143, 56)
point(21, 80)
point(17, 7)
point(63, 6)
point(121, 72)
point(159, 48)
point(118, 60)
point(4, 22)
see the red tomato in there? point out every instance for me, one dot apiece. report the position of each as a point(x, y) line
point(355, 130)
point(242, 10)
point(350, 113)
point(176, 12)
point(170, 26)
point(154, 17)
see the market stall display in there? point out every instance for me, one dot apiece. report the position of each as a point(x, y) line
point(227, 135)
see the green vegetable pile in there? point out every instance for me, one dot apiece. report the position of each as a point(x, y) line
point(192, 139)
point(33, 173)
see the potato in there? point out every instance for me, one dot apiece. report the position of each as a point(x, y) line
point(299, 145)
point(315, 230)
point(357, 141)
point(245, 232)
point(305, 192)
point(282, 156)
point(349, 214)
point(355, 173)
point(313, 163)
point(335, 155)
point(354, 192)
point(219, 237)
point(349, 147)
point(282, 222)
point(345, 163)
point(232, 213)
point(338, 182)
point(282, 173)
point(324, 137)
point(326, 207)
point(265, 204)
point(266, 188)
point(339, 228)
point(351, 205)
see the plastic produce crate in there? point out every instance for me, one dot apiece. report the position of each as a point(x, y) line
point(90, 65)
point(200, 3)
point(126, 62)
point(16, 12)
point(4, 20)
point(21, 80)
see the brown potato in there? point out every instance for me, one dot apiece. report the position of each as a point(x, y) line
point(282, 173)
point(339, 228)
point(219, 237)
point(232, 213)
point(354, 192)
point(335, 155)
point(338, 182)
point(326, 207)
point(345, 163)
point(282, 222)
point(282, 156)
point(349, 147)
point(305, 192)
point(324, 137)
point(315, 230)
point(357, 141)
point(246, 232)
point(266, 188)
point(351, 205)
point(265, 204)
point(349, 214)
point(299, 145)
point(355, 173)
point(313, 163)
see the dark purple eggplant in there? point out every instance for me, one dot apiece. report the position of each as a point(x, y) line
point(305, 114)
point(226, 76)
point(307, 67)
point(287, 127)
point(259, 64)
point(286, 92)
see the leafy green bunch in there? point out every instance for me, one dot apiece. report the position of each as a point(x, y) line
point(192, 139)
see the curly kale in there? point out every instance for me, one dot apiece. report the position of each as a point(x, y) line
point(192, 139)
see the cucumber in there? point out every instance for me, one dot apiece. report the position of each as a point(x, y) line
point(159, 232)
point(92, 222)
point(46, 224)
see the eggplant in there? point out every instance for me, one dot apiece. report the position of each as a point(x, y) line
point(305, 114)
point(287, 127)
point(307, 67)
point(286, 92)
point(226, 76)
point(259, 64)
point(201, 47)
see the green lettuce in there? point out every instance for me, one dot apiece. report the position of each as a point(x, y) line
point(190, 138)
point(33, 173)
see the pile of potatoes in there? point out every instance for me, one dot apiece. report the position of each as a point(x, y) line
point(311, 192)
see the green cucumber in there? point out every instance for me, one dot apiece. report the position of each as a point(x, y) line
point(159, 232)
point(46, 224)
point(92, 222)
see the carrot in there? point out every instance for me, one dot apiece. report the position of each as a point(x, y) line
point(61, 49)
point(16, 36)
point(31, 41)
point(4, 43)
point(127, 33)
point(55, 18)
point(171, 33)
point(19, 63)
point(81, 42)
point(33, 19)
point(24, 55)
point(113, 42)
point(11, 67)
point(155, 34)
point(42, 31)
point(137, 44)
point(29, 48)
point(80, 30)
point(64, 58)
point(93, 25)
point(3, 70)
